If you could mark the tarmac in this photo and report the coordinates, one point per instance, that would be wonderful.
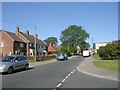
(33, 64)
(87, 67)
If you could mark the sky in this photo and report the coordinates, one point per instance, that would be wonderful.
(99, 19)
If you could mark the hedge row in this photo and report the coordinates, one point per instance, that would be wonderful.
(110, 52)
(42, 58)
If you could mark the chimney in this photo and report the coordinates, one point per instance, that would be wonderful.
(17, 30)
(27, 32)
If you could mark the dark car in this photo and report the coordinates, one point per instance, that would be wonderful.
(62, 56)
(10, 63)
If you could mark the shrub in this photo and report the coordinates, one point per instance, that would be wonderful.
(110, 51)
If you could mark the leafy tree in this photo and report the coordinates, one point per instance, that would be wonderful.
(74, 36)
(52, 40)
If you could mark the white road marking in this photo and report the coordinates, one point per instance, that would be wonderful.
(59, 84)
(69, 74)
(66, 77)
(63, 80)
(73, 70)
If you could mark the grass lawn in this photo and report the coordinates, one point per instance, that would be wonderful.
(106, 64)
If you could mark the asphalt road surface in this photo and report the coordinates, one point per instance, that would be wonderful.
(59, 74)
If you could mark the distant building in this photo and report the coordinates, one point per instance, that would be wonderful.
(97, 45)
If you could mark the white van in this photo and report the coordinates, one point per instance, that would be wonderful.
(86, 53)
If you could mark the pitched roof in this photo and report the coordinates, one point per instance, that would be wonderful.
(52, 48)
(14, 36)
(31, 38)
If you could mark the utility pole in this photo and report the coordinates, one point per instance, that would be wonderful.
(1, 43)
(68, 47)
(35, 41)
(92, 42)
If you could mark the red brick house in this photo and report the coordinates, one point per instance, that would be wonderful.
(10, 44)
(30, 43)
(52, 48)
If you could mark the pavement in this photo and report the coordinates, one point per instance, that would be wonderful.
(87, 67)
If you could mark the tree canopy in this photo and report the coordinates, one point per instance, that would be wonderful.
(74, 36)
(52, 40)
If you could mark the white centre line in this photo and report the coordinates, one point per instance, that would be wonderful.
(63, 80)
(73, 70)
(69, 74)
(59, 85)
(66, 77)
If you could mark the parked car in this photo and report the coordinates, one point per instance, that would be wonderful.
(11, 63)
(62, 56)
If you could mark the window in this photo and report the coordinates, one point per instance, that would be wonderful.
(17, 59)
(30, 44)
(22, 58)
(21, 45)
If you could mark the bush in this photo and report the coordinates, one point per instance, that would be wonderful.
(68, 54)
(110, 51)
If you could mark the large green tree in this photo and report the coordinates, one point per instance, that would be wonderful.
(52, 40)
(72, 37)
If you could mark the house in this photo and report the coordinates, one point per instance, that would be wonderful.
(41, 47)
(11, 44)
(52, 48)
(97, 45)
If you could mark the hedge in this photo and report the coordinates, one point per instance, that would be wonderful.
(110, 52)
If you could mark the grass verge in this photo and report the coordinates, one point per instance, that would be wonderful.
(106, 64)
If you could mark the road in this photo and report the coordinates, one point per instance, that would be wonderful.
(59, 74)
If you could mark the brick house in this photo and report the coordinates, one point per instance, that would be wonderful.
(41, 47)
(52, 48)
(11, 44)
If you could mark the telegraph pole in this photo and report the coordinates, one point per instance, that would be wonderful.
(92, 42)
(35, 41)
(68, 47)
(1, 42)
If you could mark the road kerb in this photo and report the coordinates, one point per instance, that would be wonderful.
(95, 75)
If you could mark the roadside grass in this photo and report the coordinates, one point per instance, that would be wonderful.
(106, 64)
